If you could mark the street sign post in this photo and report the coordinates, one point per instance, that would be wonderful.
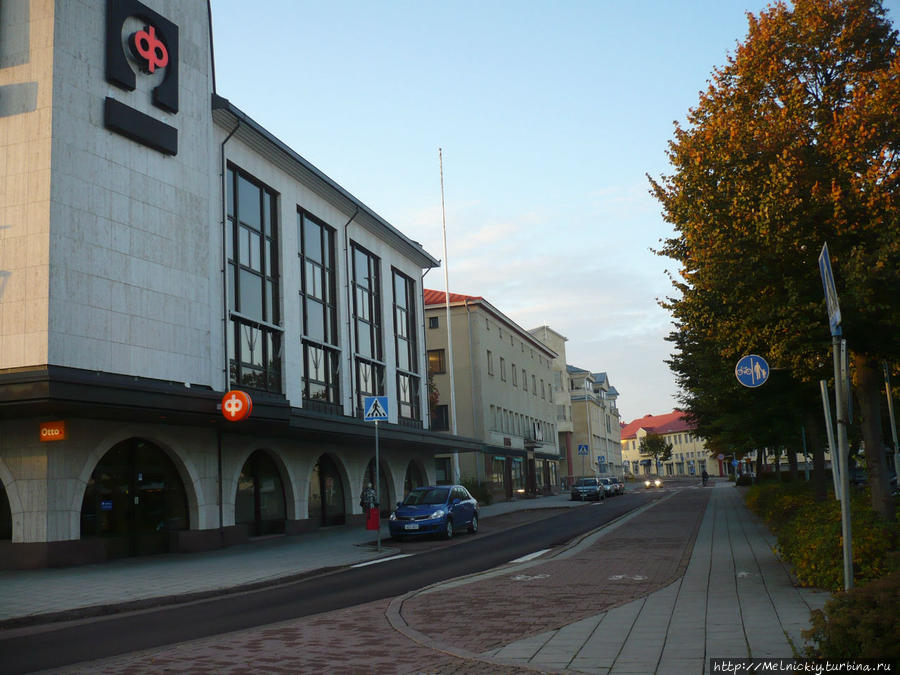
(376, 409)
(752, 371)
(584, 451)
(841, 396)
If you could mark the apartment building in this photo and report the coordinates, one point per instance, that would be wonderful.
(503, 391)
(167, 265)
(565, 428)
(689, 452)
(595, 419)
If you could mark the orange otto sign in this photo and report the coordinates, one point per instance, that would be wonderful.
(236, 405)
(52, 431)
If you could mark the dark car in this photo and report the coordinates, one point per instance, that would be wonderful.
(435, 509)
(587, 488)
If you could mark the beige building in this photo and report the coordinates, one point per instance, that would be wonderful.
(503, 382)
(565, 428)
(689, 452)
(595, 421)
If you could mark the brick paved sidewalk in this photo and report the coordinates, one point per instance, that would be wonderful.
(633, 560)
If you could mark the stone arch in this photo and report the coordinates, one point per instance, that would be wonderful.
(387, 481)
(283, 471)
(8, 485)
(415, 475)
(339, 468)
(186, 469)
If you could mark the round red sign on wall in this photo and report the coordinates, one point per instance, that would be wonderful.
(236, 405)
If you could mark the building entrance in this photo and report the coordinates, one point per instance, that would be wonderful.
(135, 500)
(5, 515)
(260, 496)
(326, 494)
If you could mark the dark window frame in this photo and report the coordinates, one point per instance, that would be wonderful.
(254, 336)
(318, 292)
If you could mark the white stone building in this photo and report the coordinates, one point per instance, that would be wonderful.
(158, 248)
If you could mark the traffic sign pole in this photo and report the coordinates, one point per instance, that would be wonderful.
(841, 396)
(377, 486)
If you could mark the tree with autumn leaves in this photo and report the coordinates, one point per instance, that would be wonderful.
(795, 143)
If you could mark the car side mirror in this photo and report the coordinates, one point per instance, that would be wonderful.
(456, 501)
(399, 504)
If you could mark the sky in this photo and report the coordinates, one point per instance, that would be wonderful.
(548, 115)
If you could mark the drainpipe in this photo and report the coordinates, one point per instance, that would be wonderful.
(478, 463)
(347, 284)
(224, 177)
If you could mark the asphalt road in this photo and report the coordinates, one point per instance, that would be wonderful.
(55, 645)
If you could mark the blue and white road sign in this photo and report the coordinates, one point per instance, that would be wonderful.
(583, 450)
(831, 296)
(376, 408)
(602, 459)
(752, 370)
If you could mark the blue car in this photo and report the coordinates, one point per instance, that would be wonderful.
(436, 509)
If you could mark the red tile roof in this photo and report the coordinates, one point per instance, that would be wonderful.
(439, 297)
(669, 423)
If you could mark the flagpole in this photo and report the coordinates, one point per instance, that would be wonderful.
(449, 329)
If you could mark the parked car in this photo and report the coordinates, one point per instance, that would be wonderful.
(653, 483)
(587, 488)
(440, 510)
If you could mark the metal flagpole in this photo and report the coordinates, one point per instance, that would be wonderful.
(449, 329)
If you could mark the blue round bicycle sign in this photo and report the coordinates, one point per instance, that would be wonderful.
(752, 370)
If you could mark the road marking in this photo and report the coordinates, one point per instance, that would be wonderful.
(526, 577)
(636, 577)
(530, 556)
(381, 560)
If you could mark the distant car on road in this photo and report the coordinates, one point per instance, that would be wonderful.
(653, 483)
(609, 486)
(587, 488)
(436, 509)
(617, 484)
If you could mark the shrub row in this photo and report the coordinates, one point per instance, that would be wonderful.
(863, 623)
(809, 534)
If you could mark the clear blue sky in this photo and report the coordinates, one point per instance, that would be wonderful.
(549, 115)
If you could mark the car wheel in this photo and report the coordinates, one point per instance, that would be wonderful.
(448, 529)
(473, 526)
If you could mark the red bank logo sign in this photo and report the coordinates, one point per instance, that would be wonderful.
(236, 405)
(141, 42)
(149, 49)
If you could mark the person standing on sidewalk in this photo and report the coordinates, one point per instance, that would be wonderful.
(705, 478)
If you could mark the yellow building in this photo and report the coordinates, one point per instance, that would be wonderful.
(689, 452)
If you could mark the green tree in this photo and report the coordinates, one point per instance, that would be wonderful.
(657, 447)
(795, 142)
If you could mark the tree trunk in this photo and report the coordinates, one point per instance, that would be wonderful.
(814, 433)
(760, 458)
(793, 471)
(869, 395)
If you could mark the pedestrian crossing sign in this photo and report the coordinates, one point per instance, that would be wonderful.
(375, 409)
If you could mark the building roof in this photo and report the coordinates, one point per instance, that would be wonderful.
(229, 116)
(433, 297)
(669, 423)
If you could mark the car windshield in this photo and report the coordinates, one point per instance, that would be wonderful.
(432, 496)
(585, 482)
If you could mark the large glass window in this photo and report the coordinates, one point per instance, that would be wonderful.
(367, 326)
(318, 305)
(408, 380)
(254, 336)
